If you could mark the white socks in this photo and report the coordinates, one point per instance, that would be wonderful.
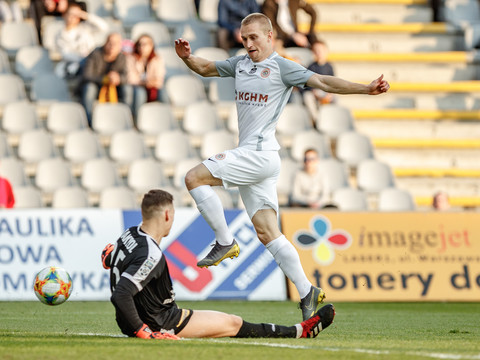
(210, 206)
(287, 258)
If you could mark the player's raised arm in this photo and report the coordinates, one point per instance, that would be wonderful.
(337, 85)
(201, 66)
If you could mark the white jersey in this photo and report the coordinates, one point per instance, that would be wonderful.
(261, 91)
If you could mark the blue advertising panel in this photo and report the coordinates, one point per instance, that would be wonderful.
(254, 275)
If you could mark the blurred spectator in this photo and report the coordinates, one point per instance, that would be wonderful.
(7, 200)
(436, 6)
(309, 186)
(314, 98)
(230, 15)
(146, 72)
(441, 201)
(283, 15)
(40, 8)
(10, 11)
(105, 67)
(76, 40)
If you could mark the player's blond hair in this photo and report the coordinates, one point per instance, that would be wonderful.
(262, 19)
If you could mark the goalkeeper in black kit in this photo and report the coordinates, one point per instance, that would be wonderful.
(143, 296)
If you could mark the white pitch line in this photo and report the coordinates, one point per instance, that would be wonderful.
(446, 356)
(254, 343)
(97, 334)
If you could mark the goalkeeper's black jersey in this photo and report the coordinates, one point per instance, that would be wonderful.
(138, 258)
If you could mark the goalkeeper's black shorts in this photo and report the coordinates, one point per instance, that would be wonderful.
(175, 320)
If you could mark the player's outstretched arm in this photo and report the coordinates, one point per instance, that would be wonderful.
(337, 85)
(201, 66)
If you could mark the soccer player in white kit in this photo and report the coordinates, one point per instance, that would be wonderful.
(263, 83)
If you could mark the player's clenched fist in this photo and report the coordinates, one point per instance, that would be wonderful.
(145, 333)
(182, 47)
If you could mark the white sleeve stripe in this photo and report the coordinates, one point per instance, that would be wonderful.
(132, 279)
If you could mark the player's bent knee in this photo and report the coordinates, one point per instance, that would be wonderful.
(236, 323)
(191, 180)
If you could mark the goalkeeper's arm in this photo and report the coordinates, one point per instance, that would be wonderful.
(122, 299)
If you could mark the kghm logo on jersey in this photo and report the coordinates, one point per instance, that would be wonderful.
(248, 96)
(265, 73)
(322, 240)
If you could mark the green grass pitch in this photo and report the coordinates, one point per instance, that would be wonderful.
(87, 330)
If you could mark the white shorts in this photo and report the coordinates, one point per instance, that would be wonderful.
(255, 174)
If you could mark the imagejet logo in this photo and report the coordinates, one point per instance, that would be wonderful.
(322, 240)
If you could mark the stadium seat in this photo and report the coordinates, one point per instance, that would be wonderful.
(13, 169)
(232, 119)
(197, 33)
(222, 90)
(180, 199)
(225, 197)
(201, 117)
(157, 30)
(31, 61)
(285, 180)
(300, 54)
(461, 13)
(98, 7)
(50, 30)
(374, 176)
(49, 88)
(183, 90)
(146, 174)
(130, 12)
(394, 199)
(107, 118)
(352, 147)
(181, 169)
(350, 199)
(27, 197)
(126, 146)
(336, 173)
(100, 37)
(173, 64)
(20, 116)
(15, 35)
(293, 119)
(334, 119)
(156, 117)
(212, 53)
(99, 174)
(36, 145)
(217, 141)
(174, 13)
(65, 117)
(208, 12)
(52, 174)
(69, 197)
(12, 88)
(310, 139)
(82, 145)
(173, 146)
(117, 197)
